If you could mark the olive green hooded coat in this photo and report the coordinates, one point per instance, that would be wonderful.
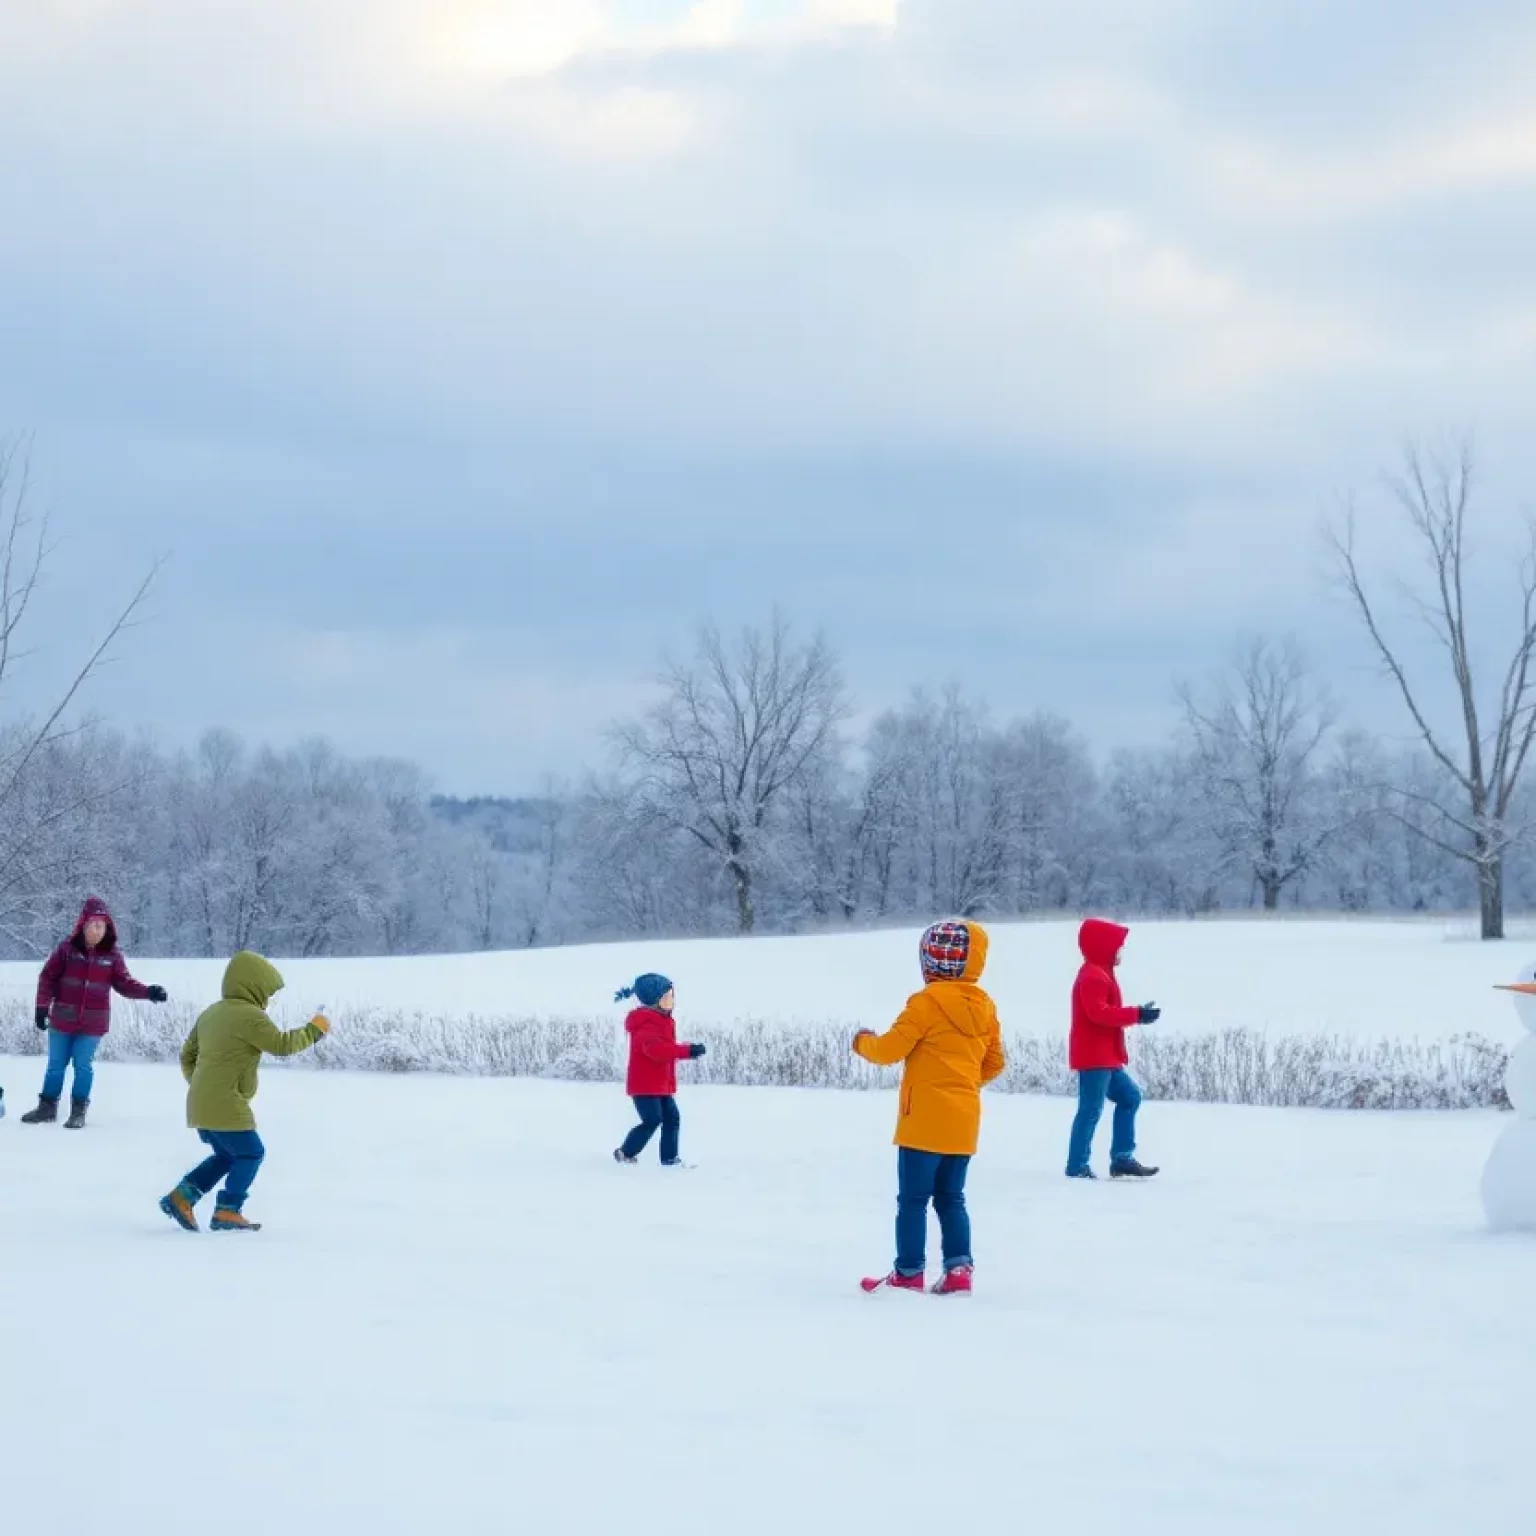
(221, 1055)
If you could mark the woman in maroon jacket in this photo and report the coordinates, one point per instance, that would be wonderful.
(654, 1052)
(74, 1004)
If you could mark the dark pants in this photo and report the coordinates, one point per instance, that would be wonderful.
(235, 1153)
(655, 1112)
(70, 1051)
(1093, 1088)
(923, 1177)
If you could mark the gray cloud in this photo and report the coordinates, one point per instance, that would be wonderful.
(1019, 342)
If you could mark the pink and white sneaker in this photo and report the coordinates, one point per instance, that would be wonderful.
(956, 1282)
(893, 1282)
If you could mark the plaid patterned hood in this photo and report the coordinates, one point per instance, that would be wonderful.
(954, 950)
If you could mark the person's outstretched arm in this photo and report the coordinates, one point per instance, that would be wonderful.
(1093, 992)
(125, 983)
(895, 1045)
(266, 1036)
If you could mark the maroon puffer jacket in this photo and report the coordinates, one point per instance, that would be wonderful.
(77, 983)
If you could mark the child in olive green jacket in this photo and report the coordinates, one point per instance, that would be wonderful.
(219, 1061)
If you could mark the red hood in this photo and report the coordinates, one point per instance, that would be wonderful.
(94, 907)
(639, 1017)
(1100, 941)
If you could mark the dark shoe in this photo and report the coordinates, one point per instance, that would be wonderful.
(1082, 1173)
(77, 1108)
(619, 1157)
(46, 1113)
(1129, 1168)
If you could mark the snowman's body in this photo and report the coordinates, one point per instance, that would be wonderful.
(1509, 1181)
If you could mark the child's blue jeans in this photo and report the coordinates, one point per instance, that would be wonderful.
(1093, 1088)
(940, 1178)
(64, 1051)
(236, 1153)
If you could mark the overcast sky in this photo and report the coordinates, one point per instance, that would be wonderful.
(464, 356)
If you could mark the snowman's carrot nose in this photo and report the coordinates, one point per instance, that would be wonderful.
(1527, 987)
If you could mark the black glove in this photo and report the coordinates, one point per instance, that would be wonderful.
(695, 1051)
(158, 995)
(1150, 1013)
(40, 1018)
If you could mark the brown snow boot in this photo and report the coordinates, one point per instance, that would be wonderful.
(227, 1219)
(77, 1108)
(46, 1113)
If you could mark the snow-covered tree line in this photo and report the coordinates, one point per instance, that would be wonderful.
(744, 800)
(1260, 798)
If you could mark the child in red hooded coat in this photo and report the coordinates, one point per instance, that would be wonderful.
(654, 1052)
(1098, 1055)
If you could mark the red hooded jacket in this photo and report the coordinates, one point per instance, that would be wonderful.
(1099, 1017)
(77, 983)
(654, 1052)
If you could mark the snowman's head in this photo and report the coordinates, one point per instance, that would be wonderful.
(1524, 992)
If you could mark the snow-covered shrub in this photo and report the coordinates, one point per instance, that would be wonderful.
(1235, 1066)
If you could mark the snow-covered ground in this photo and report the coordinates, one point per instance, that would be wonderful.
(462, 1316)
(1373, 980)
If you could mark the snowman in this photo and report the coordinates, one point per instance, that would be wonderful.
(1509, 1181)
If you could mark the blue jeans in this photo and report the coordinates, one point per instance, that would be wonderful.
(655, 1112)
(236, 1153)
(77, 1051)
(930, 1176)
(1093, 1088)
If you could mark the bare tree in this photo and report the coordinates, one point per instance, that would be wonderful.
(25, 826)
(1163, 858)
(951, 804)
(1255, 740)
(735, 731)
(543, 868)
(1484, 765)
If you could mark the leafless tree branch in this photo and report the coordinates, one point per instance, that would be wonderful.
(1435, 492)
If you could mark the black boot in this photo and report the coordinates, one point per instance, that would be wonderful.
(1129, 1168)
(77, 1108)
(46, 1113)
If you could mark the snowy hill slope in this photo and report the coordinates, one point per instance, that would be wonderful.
(1369, 980)
(463, 1316)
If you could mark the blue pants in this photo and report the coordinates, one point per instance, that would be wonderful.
(655, 1112)
(77, 1051)
(923, 1177)
(1093, 1088)
(236, 1153)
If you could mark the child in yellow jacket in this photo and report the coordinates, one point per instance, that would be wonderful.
(950, 1041)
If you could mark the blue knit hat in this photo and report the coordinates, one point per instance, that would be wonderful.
(649, 989)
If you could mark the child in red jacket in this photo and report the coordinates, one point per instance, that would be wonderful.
(1097, 1054)
(654, 1052)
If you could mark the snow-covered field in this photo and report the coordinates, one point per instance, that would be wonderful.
(1424, 980)
(463, 1316)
